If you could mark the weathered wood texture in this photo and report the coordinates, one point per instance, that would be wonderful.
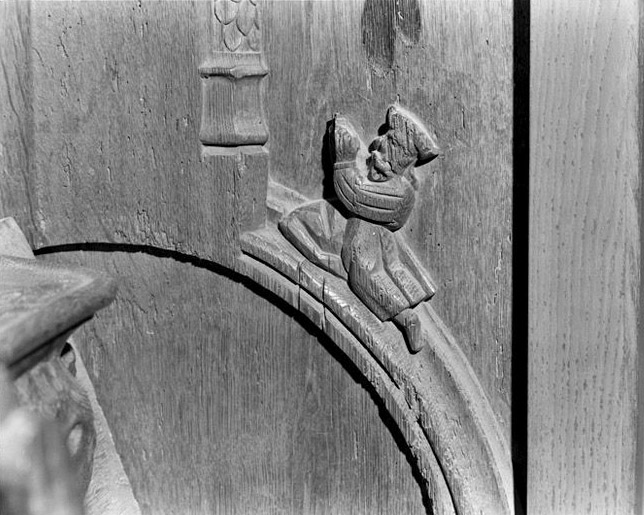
(117, 159)
(109, 491)
(584, 257)
(450, 63)
(222, 409)
(115, 152)
(16, 116)
(435, 391)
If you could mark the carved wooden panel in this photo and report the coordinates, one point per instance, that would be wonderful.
(465, 465)
(585, 342)
(180, 171)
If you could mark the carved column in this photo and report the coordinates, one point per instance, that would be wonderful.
(233, 126)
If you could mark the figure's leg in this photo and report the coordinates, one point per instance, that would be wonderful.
(409, 323)
(414, 266)
(363, 259)
(318, 238)
(401, 275)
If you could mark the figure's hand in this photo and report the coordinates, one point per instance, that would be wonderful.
(346, 140)
(379, 169)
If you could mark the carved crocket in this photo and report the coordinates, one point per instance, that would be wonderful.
(358, 240)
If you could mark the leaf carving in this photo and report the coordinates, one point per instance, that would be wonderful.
(245, 17)
(253, 38)
(226, 11)
(240, 25)
(232, 37)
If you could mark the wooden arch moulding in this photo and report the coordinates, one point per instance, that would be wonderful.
(343, 263)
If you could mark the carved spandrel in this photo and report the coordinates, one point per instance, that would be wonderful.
(376, 186)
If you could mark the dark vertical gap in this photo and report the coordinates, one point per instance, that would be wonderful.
(520, 248)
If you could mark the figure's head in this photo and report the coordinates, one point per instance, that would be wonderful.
(379, 186)
(405, 144)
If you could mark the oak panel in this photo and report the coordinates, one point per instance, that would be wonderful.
(584, 257)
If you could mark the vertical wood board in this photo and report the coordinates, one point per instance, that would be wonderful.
(584, 257)
(116, 109)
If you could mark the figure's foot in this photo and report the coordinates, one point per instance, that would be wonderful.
(409, 322)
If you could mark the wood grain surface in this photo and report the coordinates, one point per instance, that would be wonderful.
(217, 409)
(116, 117)
(16, 116)
(584, 257)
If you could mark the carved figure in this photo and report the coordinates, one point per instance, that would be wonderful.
(357, 239)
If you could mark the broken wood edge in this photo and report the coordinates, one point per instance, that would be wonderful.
(464, 458)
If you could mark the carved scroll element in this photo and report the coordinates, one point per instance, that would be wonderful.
(233, 113)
